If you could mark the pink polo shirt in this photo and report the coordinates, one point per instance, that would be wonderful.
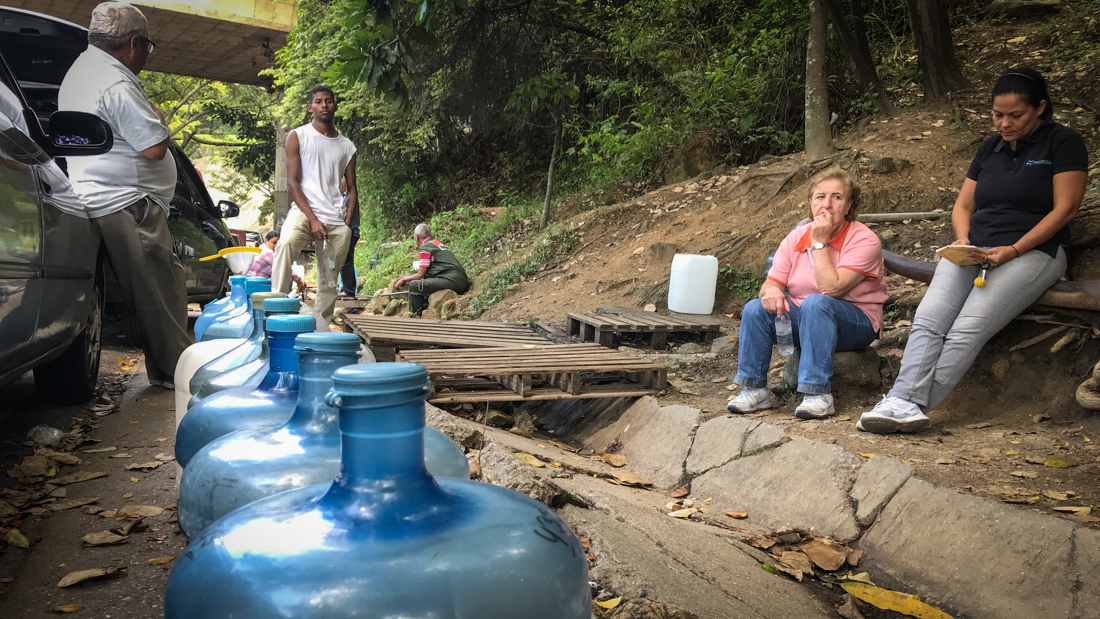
(855, 248)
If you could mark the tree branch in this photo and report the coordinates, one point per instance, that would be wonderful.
(191, 137)
(184, 99)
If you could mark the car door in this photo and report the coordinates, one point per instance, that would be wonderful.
(211, 275)
(186, 234)
(20, 237)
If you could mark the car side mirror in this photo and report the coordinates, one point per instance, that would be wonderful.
(228, 209)
(75, 134)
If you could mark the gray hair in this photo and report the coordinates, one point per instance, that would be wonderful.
(114, 24)
(423, 231)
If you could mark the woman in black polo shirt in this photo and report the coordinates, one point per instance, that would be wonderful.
(1022, 189)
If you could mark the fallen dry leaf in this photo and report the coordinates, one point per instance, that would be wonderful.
(159, 560)
(58, 456)
(77, 477)
(1054, 494)
(945, 461)
(1012, 452)
(104, 538)
(143, 465)
(795, 563)
(81, 575)
(1022, 500)
(631, 478)
(763, 543)
(825, 553)
(110, 513)
(57, 506)
(140, 511)
(678, 493)
(169, 458)
(1027, 474)
(529, 459)
(868, 455)
(100, 450)
(135, 479)
(1034, 459)
(613, 459)
(862, 577)
(892, 600)
(738, 515)
(988, 452)
(17, 539)
(128, 495)
(978, 426)
(161, 440)
(91, 510)
(67, 608)
(126, 525)
(683, 513)
(612, 603)
(850, 608)
(854, 556)
(1084, 511)
(7, 579)
(1058, 463)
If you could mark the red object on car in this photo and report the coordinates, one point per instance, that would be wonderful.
(242, 241)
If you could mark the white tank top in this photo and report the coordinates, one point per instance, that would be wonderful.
(324, 161)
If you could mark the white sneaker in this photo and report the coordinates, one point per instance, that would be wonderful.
(815, 406)
(751, 400)
(893, 415)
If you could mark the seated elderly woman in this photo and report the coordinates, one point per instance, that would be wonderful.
(1023, 187)
(828, 275)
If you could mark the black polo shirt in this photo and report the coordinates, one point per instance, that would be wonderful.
(1016, 188)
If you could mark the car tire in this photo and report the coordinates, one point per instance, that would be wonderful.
(72, 377)
(130, 330)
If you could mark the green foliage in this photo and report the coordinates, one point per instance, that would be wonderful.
(741, 281)
(540, 92)
(1072, 35)
(554, 244)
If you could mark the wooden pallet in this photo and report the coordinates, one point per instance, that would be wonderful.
(551, 372)
(385, 335)
(601, 328)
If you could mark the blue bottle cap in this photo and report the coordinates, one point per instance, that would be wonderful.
(337, 343)
(379, 378)
(283, 305)
(291, 323)
(256, 284)
(237, 279)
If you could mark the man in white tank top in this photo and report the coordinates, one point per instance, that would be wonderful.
(317, 157)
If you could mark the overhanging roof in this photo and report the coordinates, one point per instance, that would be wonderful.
(224, 40)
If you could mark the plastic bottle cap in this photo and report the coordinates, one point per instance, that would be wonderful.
(258, 298)
(283, 305)
(339, 343)
(237, 279)
(291, 323)
(379, 378)
(256, 284)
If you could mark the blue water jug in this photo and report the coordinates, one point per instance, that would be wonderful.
(264, 304)
(246, 466)
(267, 405)
(217, 307)
(237, 322)
(385, 539)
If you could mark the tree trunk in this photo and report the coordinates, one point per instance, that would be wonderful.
(854, 39)
(935, 50)
(818, 133)
(550, 173)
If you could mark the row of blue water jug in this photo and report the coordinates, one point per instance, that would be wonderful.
(318, 492)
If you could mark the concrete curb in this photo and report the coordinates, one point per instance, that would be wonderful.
(973, 557)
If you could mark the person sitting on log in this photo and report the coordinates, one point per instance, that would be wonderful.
(1023, 188)
(828, 276)
(439, 269)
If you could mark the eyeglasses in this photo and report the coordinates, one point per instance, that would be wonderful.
(151, 45)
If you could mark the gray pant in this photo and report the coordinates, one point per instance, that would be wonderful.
(421, 289)
(151, 280)
(956, 319)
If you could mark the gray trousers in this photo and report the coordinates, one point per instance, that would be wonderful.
(421, 289)
(956, 319)
(151, 280)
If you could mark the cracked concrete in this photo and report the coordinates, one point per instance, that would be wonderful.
(876, 483)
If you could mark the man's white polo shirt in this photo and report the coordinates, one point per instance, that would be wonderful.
(99, 84)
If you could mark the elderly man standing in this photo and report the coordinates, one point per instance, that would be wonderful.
(438, 270)
(126, 191)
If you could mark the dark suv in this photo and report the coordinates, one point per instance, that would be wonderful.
(53, 280)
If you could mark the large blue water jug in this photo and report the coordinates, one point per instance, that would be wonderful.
(246, 466)
(217, 307)
(265, 406)
(263, 304)
(385, 539)
(237, 322)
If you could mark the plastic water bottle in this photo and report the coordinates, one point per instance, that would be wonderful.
(783, 337)
(384, 538)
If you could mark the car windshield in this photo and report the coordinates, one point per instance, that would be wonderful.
(37, 62)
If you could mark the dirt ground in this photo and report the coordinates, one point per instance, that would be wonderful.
(1013, 410)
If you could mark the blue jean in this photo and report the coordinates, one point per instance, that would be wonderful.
(821, 326)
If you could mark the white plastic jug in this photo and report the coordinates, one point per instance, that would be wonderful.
(691, 286)
(194, 357)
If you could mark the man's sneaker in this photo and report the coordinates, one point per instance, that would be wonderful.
(163, 384)
(815, 406)
(893, 415)
(750, 400)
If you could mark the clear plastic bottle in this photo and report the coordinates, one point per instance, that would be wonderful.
(217, 307)
(263, 304)
(385, 538)
(784, 338)
(266, 406)
(246, 466)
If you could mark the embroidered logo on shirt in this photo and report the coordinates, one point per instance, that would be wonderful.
(1031, 162)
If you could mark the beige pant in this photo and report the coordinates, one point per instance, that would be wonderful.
(330, 256)
(151, 280)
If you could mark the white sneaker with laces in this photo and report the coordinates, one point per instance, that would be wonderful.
(815, 406)
(751, 400)
(891, 415)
